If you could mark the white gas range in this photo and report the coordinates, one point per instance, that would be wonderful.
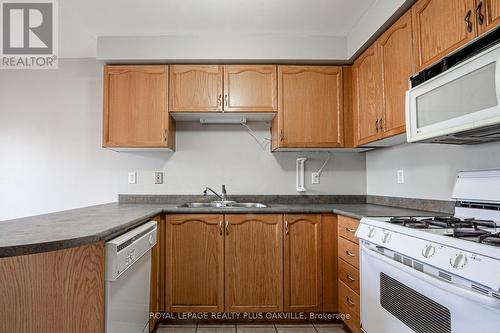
(435, 274)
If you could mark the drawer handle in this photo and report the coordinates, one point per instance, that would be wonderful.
(348, 300)
(350, 278)
(350, 254)
(350, 230)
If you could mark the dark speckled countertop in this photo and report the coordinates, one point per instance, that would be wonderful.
(88, 225)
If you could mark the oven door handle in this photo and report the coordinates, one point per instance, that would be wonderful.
(469, 294)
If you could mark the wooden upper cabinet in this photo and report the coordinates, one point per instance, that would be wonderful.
(310, 107)
(250, 88)
(396, 55)
(487, 14)
(440, 26)
(135, 107)
(194, 263)
(367, 95)
(195, 88)
(303, 263)
(254, 263)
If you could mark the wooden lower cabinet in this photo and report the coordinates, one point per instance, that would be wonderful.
(349, 306)
(194, 263)
(250, 263)
(303, 265)
(254, 263)
(348, 273)
(57, 291)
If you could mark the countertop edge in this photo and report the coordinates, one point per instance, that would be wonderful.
(34, 248)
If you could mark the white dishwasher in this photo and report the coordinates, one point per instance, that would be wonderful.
(127, 280)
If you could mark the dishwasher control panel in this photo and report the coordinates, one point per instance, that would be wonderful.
(124, 250)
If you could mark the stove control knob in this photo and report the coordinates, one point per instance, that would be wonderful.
(458, 261)
(387, 237)
(371, 232)
(428, 251)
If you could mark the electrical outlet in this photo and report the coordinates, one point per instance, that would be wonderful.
(315, 178)
(132, 177)
(401, 177)
(158, 177)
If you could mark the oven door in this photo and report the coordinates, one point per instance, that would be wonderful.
(396, 298)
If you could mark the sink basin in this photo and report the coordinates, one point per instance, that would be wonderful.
(222, 204)
(248, 205)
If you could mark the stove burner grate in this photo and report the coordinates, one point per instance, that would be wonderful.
(409, 222)
(490, 239)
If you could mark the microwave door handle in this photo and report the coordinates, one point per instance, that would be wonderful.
(487, 301)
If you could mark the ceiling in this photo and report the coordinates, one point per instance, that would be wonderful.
(81, 22)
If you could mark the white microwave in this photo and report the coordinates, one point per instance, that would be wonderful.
(460, 105)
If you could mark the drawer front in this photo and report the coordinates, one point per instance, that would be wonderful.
(347, 227)
(349, 305)
(349, 275)
(349, 251)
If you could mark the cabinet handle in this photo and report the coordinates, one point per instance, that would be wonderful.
(376, 125)
(467, 20)
(479, 14)
(165, 135)
(350, 254)
(220, 227)
(348, 300)
(282, 136)
(227, 227)
(350, 278)
(380, 123)
(286, 228)
(219, 100)
(350, 230)
(226, 99)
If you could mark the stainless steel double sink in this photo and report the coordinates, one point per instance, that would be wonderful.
(223, 204)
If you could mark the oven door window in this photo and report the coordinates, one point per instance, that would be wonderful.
(417, 311)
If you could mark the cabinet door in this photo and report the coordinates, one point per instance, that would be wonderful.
(194, 263)
(367, 80)
(250, 88)
(254, 263)
(303, 272)
(195, 88)
(487, 14)
(135, 107)
(440, 26)
(396, 55)
(310, 104)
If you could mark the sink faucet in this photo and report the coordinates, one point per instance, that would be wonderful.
(222, 197)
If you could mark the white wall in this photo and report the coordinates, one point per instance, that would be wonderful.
(51, 157)
(370, 22)
(429, 169)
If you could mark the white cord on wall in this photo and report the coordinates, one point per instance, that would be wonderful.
(324, 164)
(262, 142)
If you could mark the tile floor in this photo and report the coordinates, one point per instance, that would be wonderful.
(252, 328)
